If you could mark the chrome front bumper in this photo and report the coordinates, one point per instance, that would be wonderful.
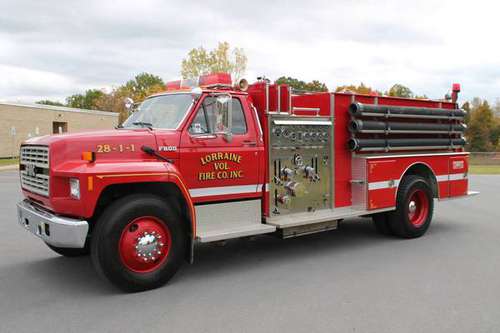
(52, 229)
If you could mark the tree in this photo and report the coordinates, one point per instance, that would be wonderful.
(86, 101)
(466, 108)
(140, 87)
(496, 108)
(399, 90)
(481, 133)
(143, 85)
(199, 61)
(114, 102)
(300, 85)
(361, 89)
(49, 102)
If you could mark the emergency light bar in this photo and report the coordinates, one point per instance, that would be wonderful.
(207, 80)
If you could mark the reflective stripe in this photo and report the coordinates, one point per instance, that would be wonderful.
(458, 176)
(395, 183)
(224, 190)
(383, 184)
(442, 178)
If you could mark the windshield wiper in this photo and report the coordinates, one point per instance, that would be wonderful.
(143, 124)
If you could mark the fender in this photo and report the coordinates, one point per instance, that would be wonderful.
(95, 177)
(432, 174)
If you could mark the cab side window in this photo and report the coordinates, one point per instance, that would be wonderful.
(204, 121)
(200, 123)
(239, 124)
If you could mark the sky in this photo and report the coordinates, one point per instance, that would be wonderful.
(51, 49)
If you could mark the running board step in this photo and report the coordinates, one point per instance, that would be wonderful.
(323, 215)
(308, 229)
(236, 232)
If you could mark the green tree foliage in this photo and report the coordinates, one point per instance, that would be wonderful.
(482, 132)
(49, 102)
(361, 89)
(466, 107)
(399, 90)
(199, 61)
(85, 101)
(302, 85)
(143, 85)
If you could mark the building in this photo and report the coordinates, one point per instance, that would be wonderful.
(19, 121)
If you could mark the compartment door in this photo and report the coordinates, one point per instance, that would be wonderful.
(458, 181)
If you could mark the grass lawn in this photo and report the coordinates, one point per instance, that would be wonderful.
(8, 161)
(484, 169)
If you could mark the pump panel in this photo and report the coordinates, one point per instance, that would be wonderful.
(300, 164)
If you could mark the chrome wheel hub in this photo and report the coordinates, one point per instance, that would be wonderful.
(412, 207)
(149, 246)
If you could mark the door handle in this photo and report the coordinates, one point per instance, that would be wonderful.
(249, 143)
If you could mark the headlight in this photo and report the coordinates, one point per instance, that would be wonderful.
(74, 188)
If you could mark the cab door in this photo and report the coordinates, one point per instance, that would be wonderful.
(218, 167)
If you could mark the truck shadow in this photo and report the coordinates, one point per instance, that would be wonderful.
(355, 235)
(76, 275)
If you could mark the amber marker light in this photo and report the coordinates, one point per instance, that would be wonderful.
(88, 156)
(90, 183)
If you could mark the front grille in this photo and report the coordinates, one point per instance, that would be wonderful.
(34, 161)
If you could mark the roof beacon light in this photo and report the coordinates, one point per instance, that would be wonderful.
(181, 84)
(455, 89)
(215, 79)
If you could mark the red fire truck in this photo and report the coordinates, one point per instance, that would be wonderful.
(217, 161)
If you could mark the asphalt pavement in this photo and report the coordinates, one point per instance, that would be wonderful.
(347, 280)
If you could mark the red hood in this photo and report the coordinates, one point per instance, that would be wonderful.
(119, 144)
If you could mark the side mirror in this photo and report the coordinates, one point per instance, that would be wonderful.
(129, 104)
(224, 121)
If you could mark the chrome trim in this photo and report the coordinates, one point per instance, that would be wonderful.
(52, 229)
(234, 219)
(258, 123)
(267, 97)
(34, 157)
(468, 195)
(299, 108)
(300, 219)
(302, 122)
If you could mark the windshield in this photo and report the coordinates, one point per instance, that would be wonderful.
(165, 111)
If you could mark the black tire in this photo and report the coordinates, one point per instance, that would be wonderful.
(381, 223)
(107, 238)
(399, 220)
(69, 251)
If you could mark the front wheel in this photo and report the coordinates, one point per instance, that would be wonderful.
(138, 243)
(414, 208)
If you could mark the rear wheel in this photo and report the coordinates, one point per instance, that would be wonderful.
(414, 208)
(138, 243)
(69, 251)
